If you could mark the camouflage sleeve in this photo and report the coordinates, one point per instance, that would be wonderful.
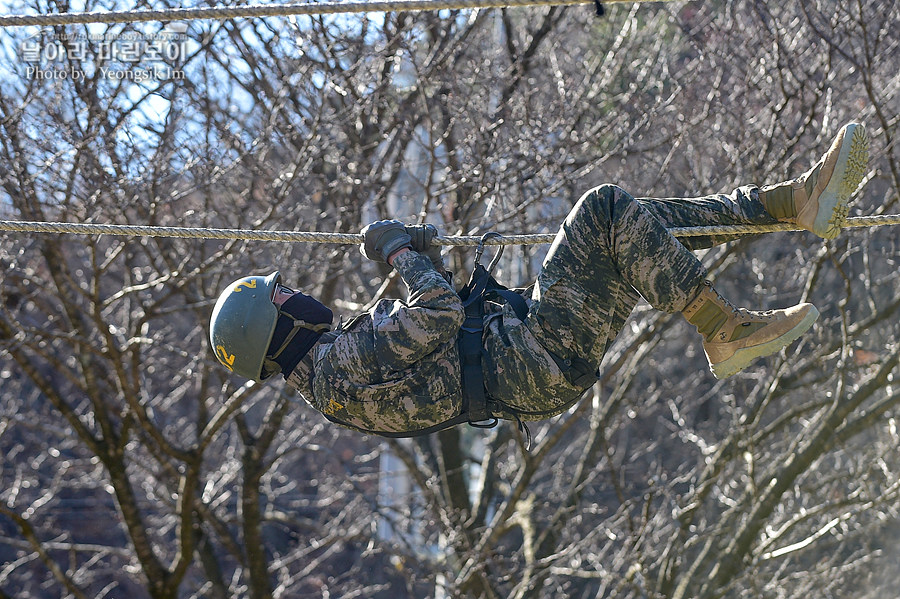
(431, 316)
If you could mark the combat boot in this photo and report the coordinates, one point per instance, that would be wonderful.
(817, 199)
(733, 337)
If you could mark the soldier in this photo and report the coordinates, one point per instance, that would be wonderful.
(396, 370)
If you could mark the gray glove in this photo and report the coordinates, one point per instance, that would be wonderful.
(383, 238)
(422, 236)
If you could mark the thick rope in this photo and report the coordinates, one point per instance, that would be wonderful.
(356, 238)
(278, 10)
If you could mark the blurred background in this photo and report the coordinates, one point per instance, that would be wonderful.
(133, 465)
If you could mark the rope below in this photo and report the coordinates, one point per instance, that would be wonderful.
(279, 10)
(356, 238)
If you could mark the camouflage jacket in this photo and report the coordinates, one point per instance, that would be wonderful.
(396, 369)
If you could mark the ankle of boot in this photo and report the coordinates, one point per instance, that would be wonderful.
(778, 201)
(706, 313)
(709, 320)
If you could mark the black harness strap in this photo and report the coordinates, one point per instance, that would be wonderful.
(470, 348)
(481, 285)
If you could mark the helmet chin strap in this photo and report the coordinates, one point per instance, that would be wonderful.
(298, 324)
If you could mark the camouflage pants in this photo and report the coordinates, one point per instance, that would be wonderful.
(611, 250)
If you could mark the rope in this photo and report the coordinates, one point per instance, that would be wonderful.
(278, 10)
(853, 222)
(356, 238)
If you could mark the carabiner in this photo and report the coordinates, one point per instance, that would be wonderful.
(479, 251)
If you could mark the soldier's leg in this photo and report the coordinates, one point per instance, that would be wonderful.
(609, 252)
(816, 200)
(741, 207)
(610, 249)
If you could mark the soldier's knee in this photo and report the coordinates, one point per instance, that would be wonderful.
(609, 190)
(609, 200)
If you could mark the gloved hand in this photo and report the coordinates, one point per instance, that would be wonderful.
(383, 238)
(422, 236)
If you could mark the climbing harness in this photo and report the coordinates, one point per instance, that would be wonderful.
(482, 286)
(477, 409)
(473, 295)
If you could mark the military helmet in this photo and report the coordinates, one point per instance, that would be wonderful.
(242, 324)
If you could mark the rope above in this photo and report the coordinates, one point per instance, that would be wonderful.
(356, 238)
(280, 10)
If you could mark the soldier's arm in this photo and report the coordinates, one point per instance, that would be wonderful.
(431, 316)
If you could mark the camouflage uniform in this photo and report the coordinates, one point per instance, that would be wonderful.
(397, 369)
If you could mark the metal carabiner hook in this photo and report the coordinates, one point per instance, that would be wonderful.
(479, 251)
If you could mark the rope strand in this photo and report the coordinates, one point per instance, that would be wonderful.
(280, 10)
(356, 238)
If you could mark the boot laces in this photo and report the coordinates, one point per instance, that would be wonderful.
(725, 301)
(742, 313)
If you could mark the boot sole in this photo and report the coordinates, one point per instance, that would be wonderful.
(853, 162)
(742, 357)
